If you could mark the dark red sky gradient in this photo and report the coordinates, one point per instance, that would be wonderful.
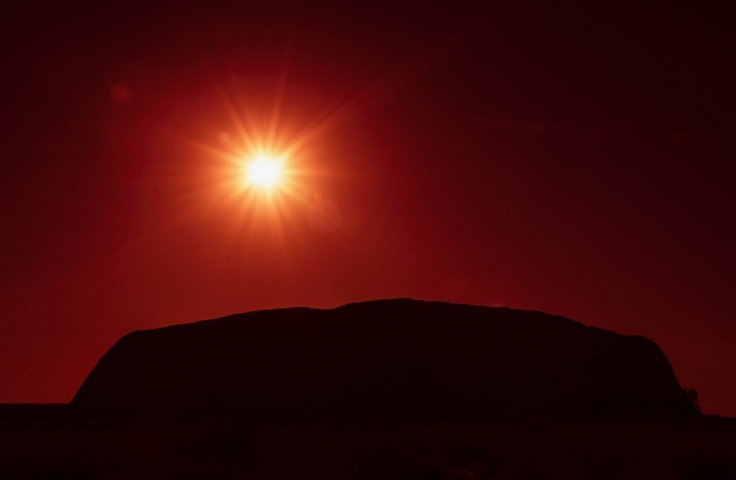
(541, 156)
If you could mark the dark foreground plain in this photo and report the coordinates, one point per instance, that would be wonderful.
(56, 442)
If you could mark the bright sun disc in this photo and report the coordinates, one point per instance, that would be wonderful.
(264, 171)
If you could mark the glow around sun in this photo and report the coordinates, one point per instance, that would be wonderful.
(270, 169)
(263, 171)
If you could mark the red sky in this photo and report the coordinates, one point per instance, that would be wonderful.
(578, 162)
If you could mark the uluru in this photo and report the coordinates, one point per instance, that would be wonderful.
(388, 359)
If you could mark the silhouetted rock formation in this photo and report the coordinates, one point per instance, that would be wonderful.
(388, 358)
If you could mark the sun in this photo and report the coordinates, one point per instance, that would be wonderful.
(263, 171)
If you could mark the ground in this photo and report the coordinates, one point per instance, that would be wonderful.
(92, 447)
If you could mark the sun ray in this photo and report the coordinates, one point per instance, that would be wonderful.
(277, 102)
(247, 139)
(346, 105)
(209, 149)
